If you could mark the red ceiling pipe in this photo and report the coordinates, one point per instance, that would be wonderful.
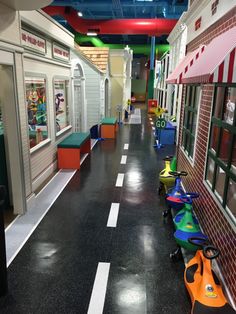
(152, 27)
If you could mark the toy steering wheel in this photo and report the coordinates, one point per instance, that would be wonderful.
(199, 241)
(178, 173)
(168, 158)
(210, 252)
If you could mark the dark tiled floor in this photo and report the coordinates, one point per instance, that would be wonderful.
(55, 270)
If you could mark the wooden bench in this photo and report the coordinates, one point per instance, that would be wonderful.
(109, 127)
(70, 148)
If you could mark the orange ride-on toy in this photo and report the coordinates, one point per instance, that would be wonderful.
(166, 179)
(202, 283)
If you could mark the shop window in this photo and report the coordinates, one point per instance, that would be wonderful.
(61, 104)
(36, 103)
(221, 164)
(190, 119)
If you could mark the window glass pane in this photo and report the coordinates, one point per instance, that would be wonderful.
(37, 109)
(194, 123)
(196, 96)
(191, 147)
(215, 135)
(234, 155)
(219, 100)
(61, 104)
(229, 105)
(210, 170)
(225, 144)
(231, 197)
(220, 182)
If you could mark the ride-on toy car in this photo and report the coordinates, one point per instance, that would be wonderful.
(166, 179)
(202, 283)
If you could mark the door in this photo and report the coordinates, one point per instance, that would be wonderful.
(11, 138)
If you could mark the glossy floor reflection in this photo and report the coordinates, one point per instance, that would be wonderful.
(55, 270)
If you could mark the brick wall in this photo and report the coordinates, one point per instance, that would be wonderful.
(210, 216)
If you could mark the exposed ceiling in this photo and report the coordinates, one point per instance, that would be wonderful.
(122, 9)
(26, 4)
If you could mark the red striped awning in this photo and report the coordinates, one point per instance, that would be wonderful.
(176, 76)
(217, 64)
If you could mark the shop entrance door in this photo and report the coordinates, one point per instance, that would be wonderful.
(107, 98)
(78, 100)
(11, 164)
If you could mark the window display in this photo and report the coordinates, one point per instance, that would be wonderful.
(221, 166)
(61, 104)
(37, 109)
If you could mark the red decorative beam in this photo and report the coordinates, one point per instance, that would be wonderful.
(152, 27)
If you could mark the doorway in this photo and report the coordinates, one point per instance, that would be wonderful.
(79, 124)
(12, 166)
(107, 114)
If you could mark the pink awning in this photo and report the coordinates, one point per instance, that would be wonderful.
(176, 76)
(218, 62)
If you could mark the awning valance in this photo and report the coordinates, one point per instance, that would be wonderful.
(176, 76)
(218, 62)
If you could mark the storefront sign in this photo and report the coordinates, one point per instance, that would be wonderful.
(60, 53)
(33, 42)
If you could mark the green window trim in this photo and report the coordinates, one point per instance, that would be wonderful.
(227, 165)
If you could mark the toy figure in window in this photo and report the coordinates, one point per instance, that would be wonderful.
(32, 105)
(58, 101)
(230, 107)
(229, 113)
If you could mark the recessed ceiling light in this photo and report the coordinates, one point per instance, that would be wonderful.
(80, 14)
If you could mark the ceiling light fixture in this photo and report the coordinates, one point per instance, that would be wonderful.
(80, 14)
(91, 34)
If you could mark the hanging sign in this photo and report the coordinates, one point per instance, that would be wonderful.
(161, 123)
(59, 52)
(33, 42)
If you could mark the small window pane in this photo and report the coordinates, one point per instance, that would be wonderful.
(229, 105)
(234, 154)
(210, 170)
(215, 135)
(37, 109)
(220, 182)
(225, 145)
(61, 104)
(231, 197)
(191, 146)
(219, 100)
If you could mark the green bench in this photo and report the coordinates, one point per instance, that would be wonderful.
(109, 127)
(70, 148)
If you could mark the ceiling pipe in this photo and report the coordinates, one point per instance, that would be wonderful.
(137, 49)
(151, 27)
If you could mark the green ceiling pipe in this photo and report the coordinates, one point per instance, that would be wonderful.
(137, 49)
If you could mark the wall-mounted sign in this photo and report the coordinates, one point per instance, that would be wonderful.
(33, 42)
(198, 23)
(61, 53)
